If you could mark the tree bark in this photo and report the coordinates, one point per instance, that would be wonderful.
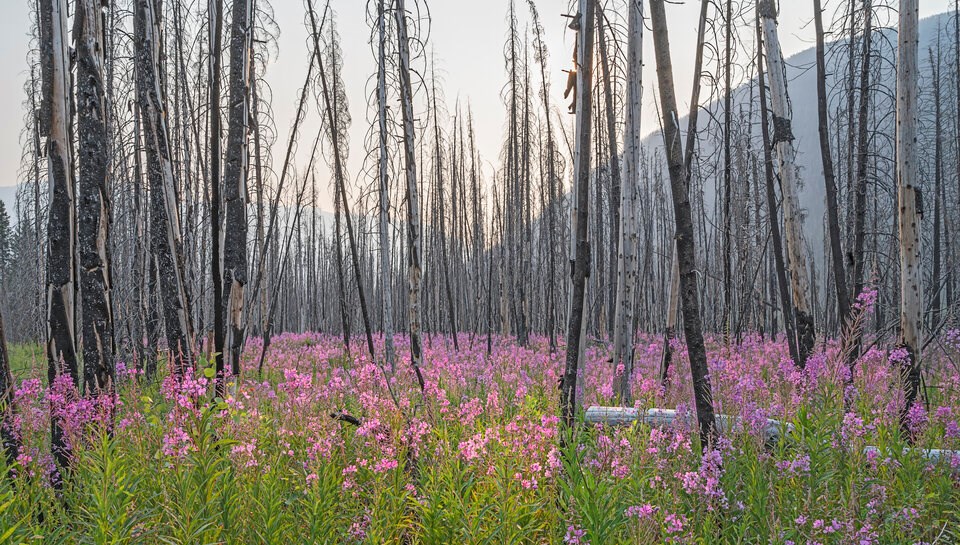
(829, 178)
(673, 304)
(164, 215)
(215, 24)
(908, 200)
(235, 185)
(386, 282)
(789, 182)
(628, 264)
(93, 207)
(686, 245)
(936, 280)
(616, 210)
(61, 274)
(414, 271)
(860, 188)
(581, 264)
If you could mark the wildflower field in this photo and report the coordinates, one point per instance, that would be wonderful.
(481, 457)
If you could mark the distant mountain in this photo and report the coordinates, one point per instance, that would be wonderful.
(802, 81)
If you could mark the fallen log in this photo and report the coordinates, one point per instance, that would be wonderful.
(660, 418)
(621, 416)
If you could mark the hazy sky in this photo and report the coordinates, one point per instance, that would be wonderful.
(467, 37)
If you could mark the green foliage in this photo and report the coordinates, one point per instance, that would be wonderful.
(26, 360)
(258, 472)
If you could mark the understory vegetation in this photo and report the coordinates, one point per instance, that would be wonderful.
(482, 456)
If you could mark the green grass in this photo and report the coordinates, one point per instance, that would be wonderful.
(26, 360)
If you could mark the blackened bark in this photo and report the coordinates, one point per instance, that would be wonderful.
(9, 438)
(414, 269)
(615, 174)
(581, 264)
(683, 216)
(829, 178)
(55, 113)
(332, 107)
(215, 23)
(860, 187)
(164, 218)
(93, 206)
(235, 184)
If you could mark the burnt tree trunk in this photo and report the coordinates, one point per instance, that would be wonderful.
(9, 438)
(414, 269)
(683, 216)
(581, 264)
(164, 216)
(61, 219)
(235, 185)
(829, 178)
(93, 200)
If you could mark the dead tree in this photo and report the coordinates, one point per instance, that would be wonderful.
(93, 238)
(673, 303)
(863, 154)
(829, 178)
(936, 291)
(615, 173)
(61, 221)
(164, 215)
(414, 270)
(789, 182)
(9, 438)
(552, 175)
(235, 184)
(773, 213)
(581, 264)
(386, 281)
(686, 245)
(628, 264)
(728, 286)
(215, 24)
(908, 200)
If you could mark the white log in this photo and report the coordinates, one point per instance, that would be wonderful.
(934, 455)
(621, 416)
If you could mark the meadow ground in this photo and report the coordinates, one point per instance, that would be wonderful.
(481, 457)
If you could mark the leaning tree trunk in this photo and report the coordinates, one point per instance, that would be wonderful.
(773, 213)
(628, 264)
(94, 221)
(683, 216)
(860, 187)
(333, 110)
(789, 182)
(61, 327)
(829, 179)
(414, 270)
(908, 199)
(673, 303)
(581, 169)
(165, 222)
(937, 284)
(235, 185)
